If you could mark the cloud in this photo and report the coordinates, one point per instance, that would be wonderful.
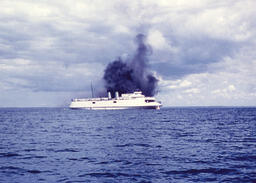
(229, 82)
(61, 46)
(202, 33)
(178, 84)
(157, 41)
(50, 77)
(192, 91)
(225, 92)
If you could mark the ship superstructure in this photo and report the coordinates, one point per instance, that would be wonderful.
(125, 101)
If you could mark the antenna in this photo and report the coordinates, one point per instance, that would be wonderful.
(92, 90)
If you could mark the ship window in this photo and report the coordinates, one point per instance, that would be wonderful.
(93, 102)
(147, 101)
(114, 101)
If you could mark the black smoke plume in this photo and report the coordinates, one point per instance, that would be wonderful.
(126, 77)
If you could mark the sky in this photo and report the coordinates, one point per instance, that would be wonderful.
(203, 51)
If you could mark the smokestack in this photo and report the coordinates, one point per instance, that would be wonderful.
(117, 95)
(109, 95)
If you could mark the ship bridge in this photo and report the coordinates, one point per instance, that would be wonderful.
(137, 94)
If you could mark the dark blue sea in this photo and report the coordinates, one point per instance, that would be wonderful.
(168, 145)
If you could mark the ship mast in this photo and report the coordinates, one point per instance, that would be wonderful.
(92, 90)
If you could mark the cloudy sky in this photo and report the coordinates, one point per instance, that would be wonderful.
(203, 50)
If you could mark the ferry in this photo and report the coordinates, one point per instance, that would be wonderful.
(125, 101)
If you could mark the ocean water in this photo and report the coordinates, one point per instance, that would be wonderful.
(167, 145)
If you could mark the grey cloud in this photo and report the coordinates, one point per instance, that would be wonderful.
(194, 55)
(49, 82)
(68, 47)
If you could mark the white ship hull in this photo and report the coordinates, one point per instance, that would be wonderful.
(114, 108)
(127, 101)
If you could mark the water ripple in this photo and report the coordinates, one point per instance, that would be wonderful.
(168, 145)
(198, 171)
